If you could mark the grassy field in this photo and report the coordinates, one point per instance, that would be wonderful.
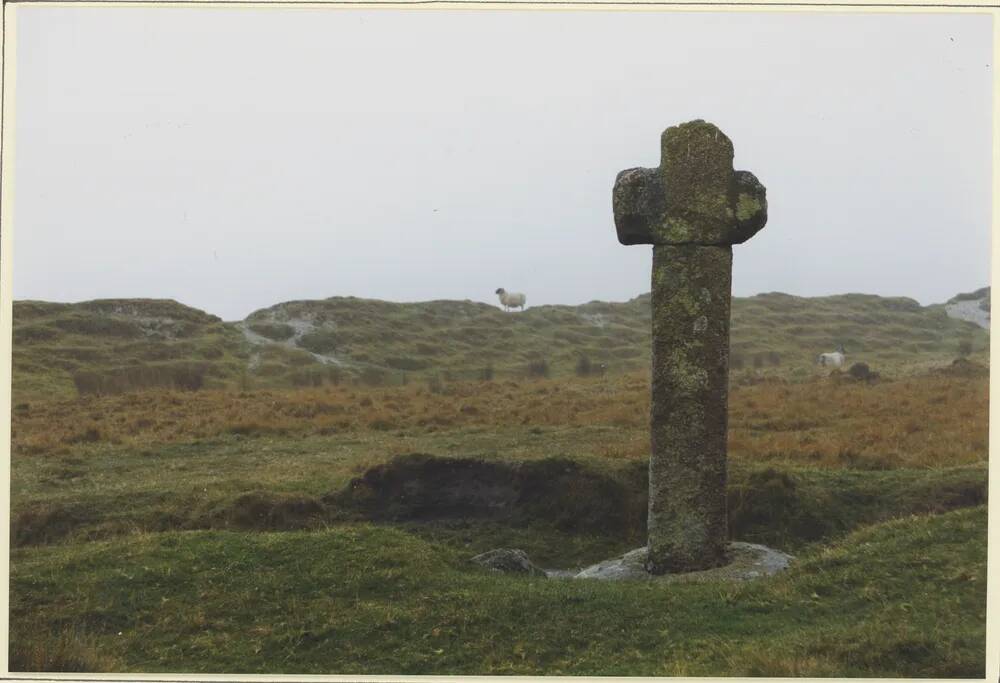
(114, 346)
(291, 530)
(905, 598)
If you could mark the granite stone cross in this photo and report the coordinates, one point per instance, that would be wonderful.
(692, 209)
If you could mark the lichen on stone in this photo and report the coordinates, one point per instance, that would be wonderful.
(692, 208)
(747, 207)
(693, 197)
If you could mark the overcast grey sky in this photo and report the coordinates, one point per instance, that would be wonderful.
(232, 159)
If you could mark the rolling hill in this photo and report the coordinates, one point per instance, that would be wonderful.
(115, 345)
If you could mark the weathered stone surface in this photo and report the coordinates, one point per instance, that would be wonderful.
(630, 566)
(750, 199)
(692, 208)
(508, 561)
(688, 416)
(639, 200)
(693, 197)
(744, 562)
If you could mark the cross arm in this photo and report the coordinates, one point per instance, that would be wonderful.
(640, 208)
(638, 197)
(694, 197)
(749, 201)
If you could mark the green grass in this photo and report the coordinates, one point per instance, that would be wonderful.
(903, 599)
(228, 531)
(105, 490)
(242, 553)
(114, 345)
(275, 331)
(981, 293)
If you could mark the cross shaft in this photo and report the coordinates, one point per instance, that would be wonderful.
(692, 209)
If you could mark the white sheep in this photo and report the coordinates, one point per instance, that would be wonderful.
(510, 300)
(834, 359)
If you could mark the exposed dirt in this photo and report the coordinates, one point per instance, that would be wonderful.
(766, 506)
(562, 492)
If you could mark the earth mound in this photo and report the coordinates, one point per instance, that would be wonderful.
(559, 491)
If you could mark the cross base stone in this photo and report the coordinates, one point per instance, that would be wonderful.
(742, 562)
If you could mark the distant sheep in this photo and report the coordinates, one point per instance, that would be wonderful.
(510, 300)
(834, 359)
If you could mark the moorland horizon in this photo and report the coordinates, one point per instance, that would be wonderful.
(490, 301)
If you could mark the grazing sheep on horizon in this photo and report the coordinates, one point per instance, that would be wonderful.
(833, 359)
(511, 300)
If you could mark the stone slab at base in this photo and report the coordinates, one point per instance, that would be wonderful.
(508, 561)
(747, 561)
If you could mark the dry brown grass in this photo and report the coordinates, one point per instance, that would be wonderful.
(930, 420)
(917, 422)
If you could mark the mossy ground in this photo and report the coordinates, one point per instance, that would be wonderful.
(901, 599)
(209, 530)
(215, 535)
